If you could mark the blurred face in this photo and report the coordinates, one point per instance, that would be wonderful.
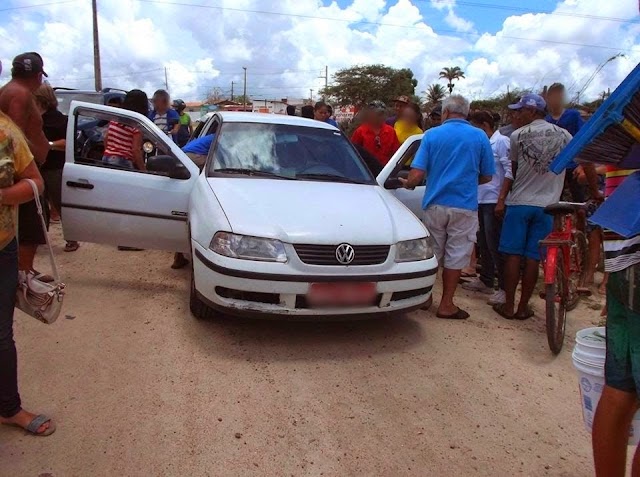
(375, 118)
(321, 114)
(161, 103)
(409, 116)
(555, 99)
(399, 106)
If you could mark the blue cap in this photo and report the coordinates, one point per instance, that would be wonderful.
(530, 100)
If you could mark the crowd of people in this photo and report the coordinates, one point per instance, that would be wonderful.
(486, 190)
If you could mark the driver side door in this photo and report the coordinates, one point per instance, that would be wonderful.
(398, 166)
(112, 204)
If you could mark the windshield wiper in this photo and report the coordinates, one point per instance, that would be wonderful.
(252, 172)
(329, 177)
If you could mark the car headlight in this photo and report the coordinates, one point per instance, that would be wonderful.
(413, 250)
(248, 248)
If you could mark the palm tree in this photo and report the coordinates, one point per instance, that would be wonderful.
(451, 74)
(434, 94)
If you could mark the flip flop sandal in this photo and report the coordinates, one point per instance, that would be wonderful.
(38, 421)
(458, 315)
(499, 309)
(71, 246)
(468, 274)
(529, 314)
(34, 425)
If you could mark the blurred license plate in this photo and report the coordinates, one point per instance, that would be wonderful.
(332, 295)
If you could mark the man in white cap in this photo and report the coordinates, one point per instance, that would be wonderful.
(533, 147)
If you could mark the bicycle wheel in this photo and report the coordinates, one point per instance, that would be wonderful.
(556, 307)
(578, 263)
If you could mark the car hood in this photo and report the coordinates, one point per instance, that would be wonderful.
(315, 212)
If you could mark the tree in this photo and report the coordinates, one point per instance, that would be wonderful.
(434, 94)
(451, 74)
(362, 84)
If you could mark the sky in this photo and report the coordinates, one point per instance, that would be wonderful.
(286, 45)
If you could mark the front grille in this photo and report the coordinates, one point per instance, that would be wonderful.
(326, 254)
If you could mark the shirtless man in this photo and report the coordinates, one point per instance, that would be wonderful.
(17, 102)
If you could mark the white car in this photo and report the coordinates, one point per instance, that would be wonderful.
(284, 220)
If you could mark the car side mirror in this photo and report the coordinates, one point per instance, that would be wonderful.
(168, 165)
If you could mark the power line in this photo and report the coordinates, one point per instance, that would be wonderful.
(133, 73)
(364, 22)
(22, 7)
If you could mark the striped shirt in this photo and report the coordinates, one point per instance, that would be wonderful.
(619, 253)
(120, 140)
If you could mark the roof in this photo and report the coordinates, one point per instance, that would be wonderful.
(265, 118)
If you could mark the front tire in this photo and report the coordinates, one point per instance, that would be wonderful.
(556, 307)
(198, 308)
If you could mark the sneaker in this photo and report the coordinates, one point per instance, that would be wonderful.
(498, 298)
(477, 286)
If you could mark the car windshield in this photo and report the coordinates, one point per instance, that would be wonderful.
(287, 152)
(65, 98)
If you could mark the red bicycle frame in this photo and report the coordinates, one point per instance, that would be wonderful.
(559, 238)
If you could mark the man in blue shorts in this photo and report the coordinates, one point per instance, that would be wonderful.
(533, 147)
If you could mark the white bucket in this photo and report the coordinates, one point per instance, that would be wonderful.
(589, 357)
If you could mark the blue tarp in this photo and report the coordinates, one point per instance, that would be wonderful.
(621, 212)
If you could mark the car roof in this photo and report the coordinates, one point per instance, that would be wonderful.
(267, 118)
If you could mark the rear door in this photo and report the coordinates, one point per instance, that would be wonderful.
(115, 205)
(398, 166)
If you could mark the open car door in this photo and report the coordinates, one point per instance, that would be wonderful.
(118, 205)
(399, 166)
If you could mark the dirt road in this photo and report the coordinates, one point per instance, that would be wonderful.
(140, 388)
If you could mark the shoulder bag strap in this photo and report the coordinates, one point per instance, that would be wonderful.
(36, 196)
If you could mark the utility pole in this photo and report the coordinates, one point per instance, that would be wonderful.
(166, 80)
(244, 99)
(232, 83)
(97, 71)
(326, 79)
(311, 95)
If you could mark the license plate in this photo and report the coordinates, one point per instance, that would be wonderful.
(334, 295)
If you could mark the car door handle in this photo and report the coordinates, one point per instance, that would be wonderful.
(80, 185)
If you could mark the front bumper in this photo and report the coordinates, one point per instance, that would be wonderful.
(255, 293)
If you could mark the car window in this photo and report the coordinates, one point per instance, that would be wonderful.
(289, 152)
(93, 127)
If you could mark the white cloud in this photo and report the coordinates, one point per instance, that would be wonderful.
(207, 47)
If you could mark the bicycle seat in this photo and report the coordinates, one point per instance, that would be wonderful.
(561, 208)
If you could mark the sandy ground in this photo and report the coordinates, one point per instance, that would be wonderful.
(139, 387)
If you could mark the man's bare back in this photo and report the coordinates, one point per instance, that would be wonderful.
(17, 102)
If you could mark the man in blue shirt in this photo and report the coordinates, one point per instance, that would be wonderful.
(570, 120)
(198, 149)
(455, 157)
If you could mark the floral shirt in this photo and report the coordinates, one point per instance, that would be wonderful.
(15, 157)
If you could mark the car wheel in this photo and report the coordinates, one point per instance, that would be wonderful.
(198, 308)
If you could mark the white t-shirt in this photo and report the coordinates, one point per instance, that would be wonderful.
(489, 193)
(533, 148)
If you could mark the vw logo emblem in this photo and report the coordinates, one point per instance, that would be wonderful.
(345, 254)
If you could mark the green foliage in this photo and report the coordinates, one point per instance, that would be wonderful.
(434, 94)
(451, 74)
(362, 84)
(499, 103)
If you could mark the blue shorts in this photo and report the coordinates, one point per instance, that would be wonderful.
(523, 228)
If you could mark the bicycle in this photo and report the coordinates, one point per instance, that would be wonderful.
(565, 264)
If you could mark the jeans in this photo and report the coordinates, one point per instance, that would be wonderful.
(9, 397)
(118, 161)
(491, 259)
